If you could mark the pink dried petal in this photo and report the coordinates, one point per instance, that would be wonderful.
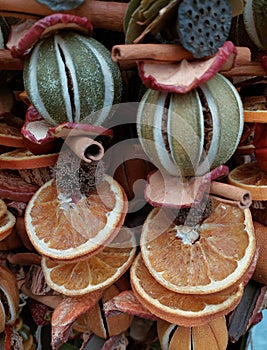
(170, 191)
(26, 33)
(186, 75)
(67, 312)
(126, 302)
(38, 130)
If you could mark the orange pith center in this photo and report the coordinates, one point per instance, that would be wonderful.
(64, 225)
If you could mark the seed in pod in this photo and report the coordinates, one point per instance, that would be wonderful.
(190, 134)
(203, 26)
(69, 77)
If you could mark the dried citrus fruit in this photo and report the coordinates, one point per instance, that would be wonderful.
(212, 335)
(187, 310)
(205, 258)
(10, 134)
(252, 178)
(93, 273)
(3, 208)
(61, 228)
(24, 159)
(7, 222)
(260, 272)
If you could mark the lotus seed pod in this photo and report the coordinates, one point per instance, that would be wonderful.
(203, 26)
(189, 134)
(69, 77)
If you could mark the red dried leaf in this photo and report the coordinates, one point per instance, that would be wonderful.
(170, 191)
(26, 33)
(126, 302)
(67, 312)
(186, 75)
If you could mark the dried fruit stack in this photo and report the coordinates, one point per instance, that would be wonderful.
(132, 173)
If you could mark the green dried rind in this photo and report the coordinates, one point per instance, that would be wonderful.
(85, 54)
(255, 16)
(186, 131)
(147, 132)
(230, 111)
(185, 151)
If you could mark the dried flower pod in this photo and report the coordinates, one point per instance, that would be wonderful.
(204, 26)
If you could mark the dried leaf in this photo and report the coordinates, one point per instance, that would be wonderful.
(61, 5)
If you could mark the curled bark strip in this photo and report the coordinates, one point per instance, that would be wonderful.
(103, 14)
(24, 259)
(232, 194)
(86, 148)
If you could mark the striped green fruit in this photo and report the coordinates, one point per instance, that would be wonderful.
(69, 77)
(255, 17)
(190, 134)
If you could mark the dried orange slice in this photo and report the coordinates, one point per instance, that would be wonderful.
(7, 222)
(63, 229)
(206, 258)
(187, 310)
(24, 159)
(3, 208)
(252, 178)
(10, 134)
(94, 273)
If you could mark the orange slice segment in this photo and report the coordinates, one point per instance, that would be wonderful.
(24, 159)
(10, 134)
(252, 178)
(62, 229)
(206, 258)
(7, 222)
(94, 273)
(183, 309)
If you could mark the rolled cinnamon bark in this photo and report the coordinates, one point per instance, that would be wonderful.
(231, 194)
(102, 14)
(157, 52)
(85, 148)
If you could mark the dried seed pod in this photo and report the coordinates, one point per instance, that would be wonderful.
(203, 26)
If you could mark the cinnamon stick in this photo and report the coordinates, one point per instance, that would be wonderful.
(259, 116)
(231, 194)
(85, 148)
(102, 14)
(157, 52)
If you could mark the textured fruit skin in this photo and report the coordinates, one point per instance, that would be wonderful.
(180, 149)
(255, 15)
(68, 77)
